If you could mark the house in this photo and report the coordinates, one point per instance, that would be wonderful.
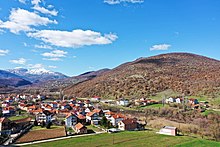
(99, 112)
(80, 129)
(167, 130)
(109, 114)
(70, 120)
(5, 126)
(8, 111)
(46, 117)
(54, 105)
(96, 99)
(193, 101)
(21, 124)
(81, 119)
(114, 119)
(170, 100)
(127, 124)
(92, 118)
(178, 100)
(123, 102)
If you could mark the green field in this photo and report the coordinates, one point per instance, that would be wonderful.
(44, 128)
(17, 117)
(131, 139)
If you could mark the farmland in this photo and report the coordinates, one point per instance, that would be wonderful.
(35, 135)
(141, 138)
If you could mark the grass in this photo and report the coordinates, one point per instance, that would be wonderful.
(40, 128)
(130, 139)
(154, 106)
(95, 129)
(207, 112)
(12, 118)
(199, 143)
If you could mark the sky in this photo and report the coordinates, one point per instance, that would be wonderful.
(76, 36)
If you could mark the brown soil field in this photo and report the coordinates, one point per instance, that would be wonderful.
(42, 135)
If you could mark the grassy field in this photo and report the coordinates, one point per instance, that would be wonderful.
(131, 139)
(17, 117)
(210, 111)
(40, 128)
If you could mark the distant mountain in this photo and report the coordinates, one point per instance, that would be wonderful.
(180, 72)
(10, 79)
(37, 75)
(56, 85)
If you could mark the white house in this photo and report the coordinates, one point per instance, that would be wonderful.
(70, 120)
(115, 119)
(46, 116)
(123, 102)
(170, 100)
(167, 130)
(92, 117)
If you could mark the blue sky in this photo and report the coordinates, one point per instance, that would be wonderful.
(76, 36)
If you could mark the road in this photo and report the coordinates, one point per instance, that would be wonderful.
(55, 139)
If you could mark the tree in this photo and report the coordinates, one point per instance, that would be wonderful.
(43, 124)
(104, 122)
(35, 123)
(48, 125)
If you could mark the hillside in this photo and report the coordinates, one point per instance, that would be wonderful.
(181, 72)
(10, 79)
(56, 85)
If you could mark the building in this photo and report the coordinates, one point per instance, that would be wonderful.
(80, 129)
(71, 120)
(92, 118)
(167, 130)
(114, 119)
(46, 117)
(123, 102)
(5, 125)
(128, 124)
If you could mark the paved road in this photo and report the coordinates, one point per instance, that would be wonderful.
(55, 139)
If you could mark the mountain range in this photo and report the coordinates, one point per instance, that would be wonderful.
(21, 77)
(37, 75)
(186, 73)
(183, 73)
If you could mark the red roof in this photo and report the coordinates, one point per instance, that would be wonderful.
(79, 126)
(90, 114)
(129, 121)
(118, 116)
(97, 110)
(80, 116)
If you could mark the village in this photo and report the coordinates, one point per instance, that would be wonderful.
(21, 114)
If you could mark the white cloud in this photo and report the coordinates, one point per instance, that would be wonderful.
(35, 2)
(160, 47)
(52, 66)
(35, 66)
(52, 59)
(76, 38)
(25, 44)
(21, 61)
(113, 2)
(23, 20)
(3, 52)
(43, 46)
(55, 55)
(22, 1)
(43, 10)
